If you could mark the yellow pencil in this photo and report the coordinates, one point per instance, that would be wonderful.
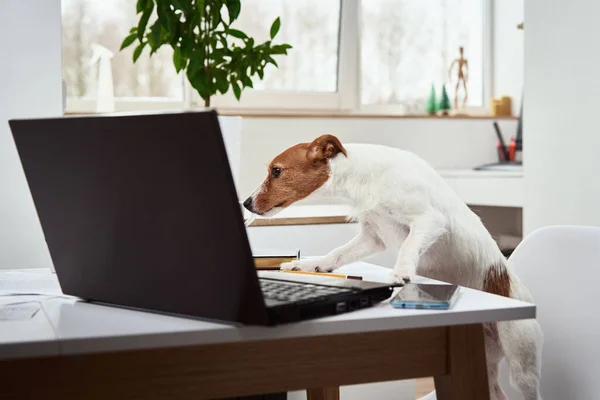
(323, 274)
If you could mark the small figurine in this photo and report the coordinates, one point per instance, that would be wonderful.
(463, 76)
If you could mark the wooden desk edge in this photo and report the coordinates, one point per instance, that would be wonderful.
(237, 369)
(322, 220)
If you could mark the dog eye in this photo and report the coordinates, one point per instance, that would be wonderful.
(276, 172)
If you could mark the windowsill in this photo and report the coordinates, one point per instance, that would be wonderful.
(333, 114)
(313, 114)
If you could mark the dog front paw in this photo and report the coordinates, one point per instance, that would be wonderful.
(399, 277)
(307, 266)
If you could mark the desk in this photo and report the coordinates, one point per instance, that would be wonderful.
(76, 350)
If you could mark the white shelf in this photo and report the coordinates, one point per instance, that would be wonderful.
(487, 188)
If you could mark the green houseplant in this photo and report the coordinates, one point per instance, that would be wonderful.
(213, 55)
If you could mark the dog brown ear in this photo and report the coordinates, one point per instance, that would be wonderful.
(324, 147)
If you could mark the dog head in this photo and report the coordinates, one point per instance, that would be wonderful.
(295, 174)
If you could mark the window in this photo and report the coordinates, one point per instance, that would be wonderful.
(312, 26)
(350, 55)
(307, 78)
(92, 32)
(408, 45)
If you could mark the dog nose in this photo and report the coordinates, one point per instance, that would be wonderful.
(248, 204)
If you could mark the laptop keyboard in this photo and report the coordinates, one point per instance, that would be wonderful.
(291, 291)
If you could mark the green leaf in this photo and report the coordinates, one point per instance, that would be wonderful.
(246, 80)
(138, 51)
(280, 49)
(218, 56)
(174, 35)
(198, 82)
(275, 27)
(261, 73)
(221, 81)
(133, 30)
(165, 15)
(233, 7)
(212, 42)
(215, 17)
(271, 61)
(177, 60)
(154, 37)
(196, 64)
(237, 91)
(223, 40)
(237, 34)
(140, 6)
(144, 19)
(176, 4)
(187, 46)
(200, 9)
(196, 60)
(128, 41)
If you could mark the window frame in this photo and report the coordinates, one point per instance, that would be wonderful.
(345, 101)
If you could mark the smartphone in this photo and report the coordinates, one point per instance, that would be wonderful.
(425, 296)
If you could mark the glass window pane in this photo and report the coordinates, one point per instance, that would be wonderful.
(86, 23)
(408, 45)
(311, 27)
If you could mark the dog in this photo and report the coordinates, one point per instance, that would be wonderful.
(402, 203)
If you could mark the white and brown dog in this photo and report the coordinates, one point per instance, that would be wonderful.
(402, 203)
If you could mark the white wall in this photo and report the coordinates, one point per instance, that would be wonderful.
(508, 51)
(30, 86)
(561, 126)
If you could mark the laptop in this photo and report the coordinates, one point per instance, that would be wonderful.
(141, 211)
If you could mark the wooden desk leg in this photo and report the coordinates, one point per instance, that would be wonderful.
(467, 378)
(332, 393)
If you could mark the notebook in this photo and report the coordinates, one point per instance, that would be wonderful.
(272, 258)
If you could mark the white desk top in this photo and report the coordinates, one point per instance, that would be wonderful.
(67, 326)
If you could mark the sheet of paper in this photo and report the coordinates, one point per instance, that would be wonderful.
(29, 283)
(19, 312)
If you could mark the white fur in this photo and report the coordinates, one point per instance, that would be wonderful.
(402, 203)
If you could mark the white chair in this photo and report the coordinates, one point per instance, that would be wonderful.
(561, 267)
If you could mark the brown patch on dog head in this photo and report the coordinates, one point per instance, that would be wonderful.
(296, 173)
(325, 147)
(497, 280)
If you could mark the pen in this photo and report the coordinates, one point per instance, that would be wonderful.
(512, 148)
(501, 140)
(323, 274)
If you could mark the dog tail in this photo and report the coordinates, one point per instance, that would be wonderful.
(501, 280)
(521, 341)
